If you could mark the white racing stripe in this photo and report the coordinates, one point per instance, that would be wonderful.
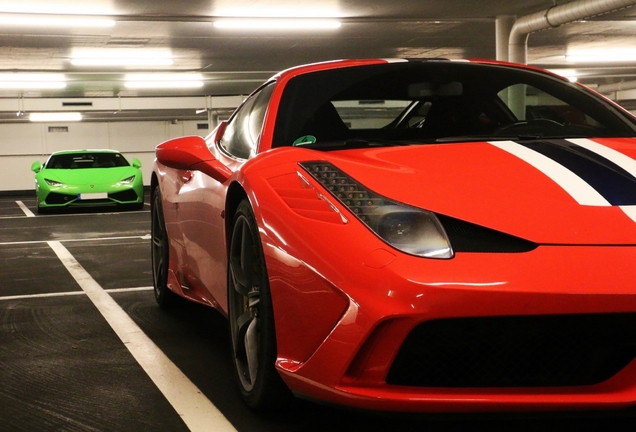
(198, 413)
(578, 189)
(620, 159)
(630, 211)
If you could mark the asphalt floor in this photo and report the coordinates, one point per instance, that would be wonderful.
(84, 347)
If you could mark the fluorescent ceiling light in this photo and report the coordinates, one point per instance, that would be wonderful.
(32, 81)
(604, 55)
(121, 62)
(163, 84)
(159, 80)
(277, 24)
(287, 11)
(123, 57)
(74, 7)
(55, 117)
(37, 20)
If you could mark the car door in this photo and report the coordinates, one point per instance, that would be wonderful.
(202, 200)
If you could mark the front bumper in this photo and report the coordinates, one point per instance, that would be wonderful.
(572, 308)
(70, 196)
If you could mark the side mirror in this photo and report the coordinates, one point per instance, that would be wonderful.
(36, 167)
(191, 153)
(136, 163)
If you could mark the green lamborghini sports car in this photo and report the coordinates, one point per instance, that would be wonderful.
(88, 178)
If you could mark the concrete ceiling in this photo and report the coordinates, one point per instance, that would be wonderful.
(234, 62)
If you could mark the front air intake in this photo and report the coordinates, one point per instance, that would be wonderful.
(519, 351)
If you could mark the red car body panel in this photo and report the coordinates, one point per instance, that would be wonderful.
(344, 300)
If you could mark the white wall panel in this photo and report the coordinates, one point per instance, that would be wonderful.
(137, 136)
(79, 136)
(16, 174)
(22, 144)
(21, 139)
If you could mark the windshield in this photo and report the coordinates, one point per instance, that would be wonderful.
(438, 101)
(86, 160)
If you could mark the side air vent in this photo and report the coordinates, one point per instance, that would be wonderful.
(468, 237)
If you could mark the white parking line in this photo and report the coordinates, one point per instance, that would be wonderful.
(198, 413)
(79, 214)
(71, 293)
(25, 209)
(143, 237)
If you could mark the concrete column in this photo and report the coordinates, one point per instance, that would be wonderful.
(503, 27)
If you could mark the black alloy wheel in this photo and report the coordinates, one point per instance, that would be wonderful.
(160, 254)
(251, 317)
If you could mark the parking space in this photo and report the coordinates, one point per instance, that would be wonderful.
(84, 347)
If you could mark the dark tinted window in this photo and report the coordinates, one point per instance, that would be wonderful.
(86, 160)
(430, 101)
(242, 134)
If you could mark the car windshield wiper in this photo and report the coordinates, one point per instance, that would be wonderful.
(355, 143)
(519, 137)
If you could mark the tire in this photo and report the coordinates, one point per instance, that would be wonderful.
(160, 254)
(39, 210)
(251, 317)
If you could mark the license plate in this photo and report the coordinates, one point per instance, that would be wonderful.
(93, 196)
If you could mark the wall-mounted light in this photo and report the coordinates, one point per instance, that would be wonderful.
(41, 20)
(164, 81)
(55, 117)
(604, 55)
(121, 57)
(278, 24)
(29, 81)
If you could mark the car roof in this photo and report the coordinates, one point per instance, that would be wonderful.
(80, 151)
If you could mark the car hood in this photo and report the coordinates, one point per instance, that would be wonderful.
(576, 191)
(88, 175)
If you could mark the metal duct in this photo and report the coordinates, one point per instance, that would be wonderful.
(554, 17)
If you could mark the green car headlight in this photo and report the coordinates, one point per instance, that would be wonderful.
(128, 180)
(409, 229)
(53, 183)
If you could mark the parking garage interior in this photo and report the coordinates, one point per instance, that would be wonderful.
(83, 345)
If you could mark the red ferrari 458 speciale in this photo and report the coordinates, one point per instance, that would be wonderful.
(412, 236)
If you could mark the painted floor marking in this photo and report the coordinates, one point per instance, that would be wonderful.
(198, 413)
(25, 209)
(78, 214)
(143, 237)
(72, 293)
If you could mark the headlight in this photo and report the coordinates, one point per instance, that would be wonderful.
(53, 183)
(409, 229)
(128, 179)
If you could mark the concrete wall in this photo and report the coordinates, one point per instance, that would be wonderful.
(23, 144)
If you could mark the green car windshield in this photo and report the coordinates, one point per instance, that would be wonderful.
(86, 160)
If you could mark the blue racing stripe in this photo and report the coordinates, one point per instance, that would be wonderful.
(611, 181)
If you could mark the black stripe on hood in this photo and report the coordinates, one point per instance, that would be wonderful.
(611, 181)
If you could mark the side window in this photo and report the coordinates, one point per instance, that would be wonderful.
(530, 103)
(243, 133)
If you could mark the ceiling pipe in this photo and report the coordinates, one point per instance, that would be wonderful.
(554, 17)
